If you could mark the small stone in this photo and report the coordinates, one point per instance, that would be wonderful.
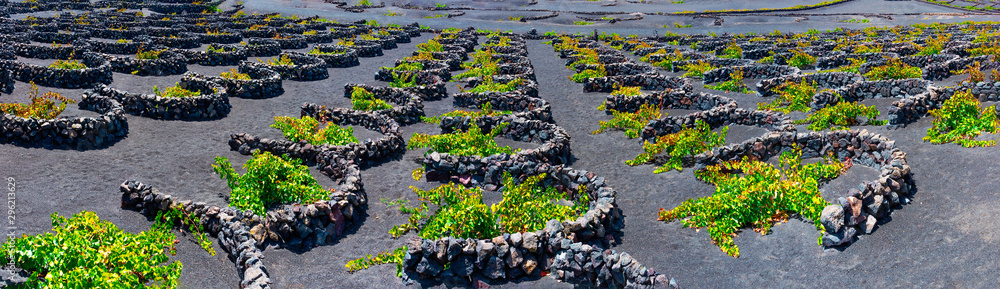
(494, 268)
(258, 233)
(530, 263)
(530, 242)
(870, 224)
(429, 267)
(832, 218)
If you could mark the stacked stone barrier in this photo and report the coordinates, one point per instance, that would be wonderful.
(81, 133)
(211, 104)
(98, 71)
(305, 68)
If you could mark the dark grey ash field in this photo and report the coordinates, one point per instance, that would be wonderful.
(944, 237)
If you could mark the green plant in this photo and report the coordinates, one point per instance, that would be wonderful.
(582, 23)
(86, 252)
(269, 180)
(732, 51)
(667, 62)
(841, 115)
(123, 41)
(406, 66)
(435, 16)
(678, 25)
(365, 3)
(364, 100)
(801, 59)
(490, 85)
(697, 69)
(67, 64)
(430, 46)
(234, 74)
(461, 212)
(153, 54)
(41, 107)
(991, 49)
(630, 122)
(687, 142)
(390, 13)
(754, 193)
(589, 73)
(894, 69)
(307, 129)
(791, 97)
(486, 110)
(284, 60)
(960, 120)
(219, 49)
(627, 90)
(175, 91)
(467, 143)
(934, 45)
(394, 257)
(403, 79)
(868, 49)
(515, 18)
(174, 215)
(734, 84)
(439, 5)
(854, 67)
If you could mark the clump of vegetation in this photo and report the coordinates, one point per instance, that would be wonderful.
(868, 49)
(86, 252)
(894, 69)
(41, 106)
(430, 46)
(150, 54)
(630, 122)
(801, 59)
(992, 49)
(406, 66)
(461, 212)
(934, 45)
(469, 143)
(791, 97)
(854, 67)
(960, 120)
(316, 51)
(403, 79)
(490, 85)
(284, 60)
(687, 142)
(582, 23)
(234, 74)
(732, 51)
(697, 69)
(755, 193)
(667, 62)
(175, 91)
(486, 109)
(175, 216)
(589, 73)
(67, 64)
(270, 180)
(842, 115)
(307, 129)
(627, 90)
(394, 257)
(362, 99)
(734, 84)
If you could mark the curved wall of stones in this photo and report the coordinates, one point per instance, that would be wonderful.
(79, 133)
(98, 71)
(170, 62)
(212, 104)
(305, 68)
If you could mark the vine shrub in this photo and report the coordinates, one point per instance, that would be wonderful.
(755, 193)
(403, 79)
(894, 69)
(630, 122)
(732, 51)
(589, 73)
(269, 180)
(67, 64)
(801, 59)
(468, 143)
(698, 69)
(41, 107)
(283, 60)
(667, 62)
(791, 97)
(86, 252)
(430, 46)
(687, 142)
(841, 115)
(734, 84)
(148, 54)
(490, 85)
(960, 120)
(234, 74)
(486, 110)
(307, 129)
(362, 99)
(175, 91)
(461, 212)
(175, 215)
